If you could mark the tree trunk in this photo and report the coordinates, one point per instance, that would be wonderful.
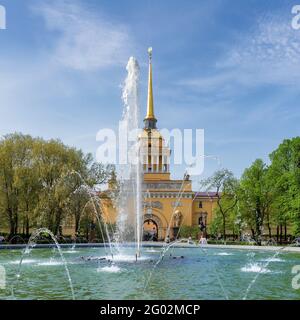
(23, 227)
(258, 233)
(27, 220)
(57, 221)
(16, 218)
(270, 230)
(285, 232)
(87, 233)
(11, 230)
(224, 229)
(27, 227)
(77, 222)
(258, 222)
(258, 238)
(11, 223)
(280, 241)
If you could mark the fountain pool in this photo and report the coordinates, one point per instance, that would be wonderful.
(190, 273)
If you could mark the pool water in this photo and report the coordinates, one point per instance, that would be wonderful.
(184, 273)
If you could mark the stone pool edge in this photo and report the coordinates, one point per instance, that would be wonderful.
(158, 245)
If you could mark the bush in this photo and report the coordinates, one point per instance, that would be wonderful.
(187, 231)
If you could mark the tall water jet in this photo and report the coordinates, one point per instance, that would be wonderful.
(130, 174)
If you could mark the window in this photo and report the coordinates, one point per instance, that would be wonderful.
(200, 204)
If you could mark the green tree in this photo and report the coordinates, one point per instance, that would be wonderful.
(255, 197)
(189, 231)
(225, 185)
(27, 182)
(215, 227)
(285, 176)
(39, 180)
(15, 161)
(56, 162)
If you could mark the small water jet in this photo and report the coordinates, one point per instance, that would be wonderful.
(96, 204)
(31, 244)
(264, 267)
(111, 269)
(255, 267)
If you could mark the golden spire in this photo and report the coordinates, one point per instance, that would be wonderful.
(150, 107)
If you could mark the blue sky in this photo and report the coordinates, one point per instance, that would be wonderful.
(231, 67)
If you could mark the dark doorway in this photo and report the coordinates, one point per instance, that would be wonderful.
(150, 230)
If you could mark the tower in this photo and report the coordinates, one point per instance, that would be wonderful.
(150, 120)
(155, 155)
(167, 203)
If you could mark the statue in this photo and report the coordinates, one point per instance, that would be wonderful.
(177, 218)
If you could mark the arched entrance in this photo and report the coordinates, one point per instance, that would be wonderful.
(152, 228)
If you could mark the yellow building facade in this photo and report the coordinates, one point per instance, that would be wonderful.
(167, 204)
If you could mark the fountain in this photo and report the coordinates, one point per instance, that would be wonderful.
(130, 174)
(129, 276)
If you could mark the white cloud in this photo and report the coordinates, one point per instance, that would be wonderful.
(274, 41)
(86, 40)
(269, 55)
(38, 96)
